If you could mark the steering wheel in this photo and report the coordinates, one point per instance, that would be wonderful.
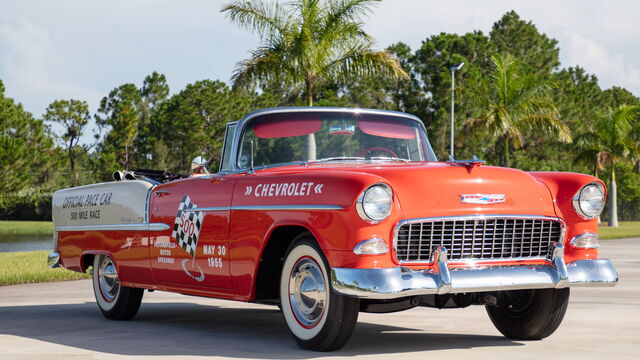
(383, 149)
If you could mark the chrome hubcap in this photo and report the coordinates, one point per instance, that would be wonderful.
(108, 279)
(307, 292)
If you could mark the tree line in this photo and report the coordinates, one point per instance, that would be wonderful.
(515, 105)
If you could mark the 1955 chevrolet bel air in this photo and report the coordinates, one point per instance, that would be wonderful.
(327, 212)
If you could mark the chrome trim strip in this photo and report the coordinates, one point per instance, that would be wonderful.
(396, 230)
(288, 207)
(268, 208)
(116, 227)
(207, 209)
(55, 241)
(147, 206)
(398, 282)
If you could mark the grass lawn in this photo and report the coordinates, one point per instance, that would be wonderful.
(626, 229)
(31, 267)
(26, 227)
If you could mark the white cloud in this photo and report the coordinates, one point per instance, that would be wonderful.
(600, 36)
(611, 68)
(79, 49)
(30, 69)
(30, 64)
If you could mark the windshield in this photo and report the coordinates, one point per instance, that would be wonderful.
(329, 136)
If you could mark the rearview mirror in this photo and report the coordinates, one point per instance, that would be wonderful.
(343, 129)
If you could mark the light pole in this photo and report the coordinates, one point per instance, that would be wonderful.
(453, 69)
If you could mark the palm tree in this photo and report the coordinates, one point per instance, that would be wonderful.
(517, 103)
(305, 42)
(611, 140)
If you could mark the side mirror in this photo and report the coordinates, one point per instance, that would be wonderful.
(199, 165)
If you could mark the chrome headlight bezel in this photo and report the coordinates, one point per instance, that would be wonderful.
(360, 204)
(577, 201)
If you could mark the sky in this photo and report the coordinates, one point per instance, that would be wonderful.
(82, 49)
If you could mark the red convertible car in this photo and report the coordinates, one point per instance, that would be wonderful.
(327, 212)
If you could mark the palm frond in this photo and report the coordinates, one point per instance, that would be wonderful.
(264, 65)
(365, 62)
(340, 12)
(266, 18)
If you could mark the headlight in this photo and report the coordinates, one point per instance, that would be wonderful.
(374, 204)
(589, 201)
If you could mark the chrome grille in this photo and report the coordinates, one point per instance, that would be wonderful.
(477, 238)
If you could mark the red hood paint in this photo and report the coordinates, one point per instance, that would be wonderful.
(435, 189)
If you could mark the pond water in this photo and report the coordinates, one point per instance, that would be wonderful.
(24, 242)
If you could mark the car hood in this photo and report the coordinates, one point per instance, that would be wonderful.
(437, 189)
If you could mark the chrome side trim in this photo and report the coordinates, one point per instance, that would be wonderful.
(289, 207)
(207, 209)
(268, 208)
(117, 227)
(474, 262)
(398, 282)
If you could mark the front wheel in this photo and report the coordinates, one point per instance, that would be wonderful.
(529, 314)
(318, 318)
(116, 302)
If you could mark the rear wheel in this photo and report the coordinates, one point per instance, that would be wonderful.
(115, 301)
(318, 318)
(529, 314)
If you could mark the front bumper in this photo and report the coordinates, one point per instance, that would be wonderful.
(397, 282)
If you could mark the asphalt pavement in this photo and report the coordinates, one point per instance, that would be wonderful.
(61, 321)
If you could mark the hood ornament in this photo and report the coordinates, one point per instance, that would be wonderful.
(482, 199)
(469, 164)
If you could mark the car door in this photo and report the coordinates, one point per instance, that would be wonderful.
(194, 250)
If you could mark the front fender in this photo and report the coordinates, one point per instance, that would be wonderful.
(563, 186)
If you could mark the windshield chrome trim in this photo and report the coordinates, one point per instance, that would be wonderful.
(241, 124)
(224, 142)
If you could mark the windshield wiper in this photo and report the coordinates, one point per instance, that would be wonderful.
(337, 158)
(388, 158)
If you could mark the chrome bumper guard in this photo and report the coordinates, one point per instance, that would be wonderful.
(53, 260)
(391, 283)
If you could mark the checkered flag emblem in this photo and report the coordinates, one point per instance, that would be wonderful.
(186, 229)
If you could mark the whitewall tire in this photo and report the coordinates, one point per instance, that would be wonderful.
(317, 318)
(115, 301)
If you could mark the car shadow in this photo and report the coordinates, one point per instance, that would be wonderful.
(198, 330)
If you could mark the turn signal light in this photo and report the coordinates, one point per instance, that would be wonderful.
(586, 240)
(373, 246)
